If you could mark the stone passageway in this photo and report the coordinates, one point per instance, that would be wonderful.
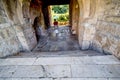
(58, 39)
(59, 55)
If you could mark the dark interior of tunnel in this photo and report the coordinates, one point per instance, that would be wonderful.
(52, 2)
(55, 2)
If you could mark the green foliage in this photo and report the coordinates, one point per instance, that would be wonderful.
(60, 9)
(63, 18)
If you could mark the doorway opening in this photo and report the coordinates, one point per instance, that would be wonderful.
(60, 13)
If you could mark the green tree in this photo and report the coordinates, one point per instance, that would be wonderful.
(60, 9)
(63, 18)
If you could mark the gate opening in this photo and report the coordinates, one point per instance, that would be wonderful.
(59, 13)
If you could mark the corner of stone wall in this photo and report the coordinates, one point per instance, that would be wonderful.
(30, 37)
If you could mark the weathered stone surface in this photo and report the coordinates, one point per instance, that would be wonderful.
(107, 31)
(59, 78)
(58, 71)
(7, 71)
(26, 79)
(30, 36)
(28, 71)
(92, 59)
(85, 45)
(49, 60)
(3, 49)
(8, 38)
(99, 24)
(17, 61)
(9, 46)
(96, 71)
(80, 68)
(2, 19)
(82, 79)
(2, 14)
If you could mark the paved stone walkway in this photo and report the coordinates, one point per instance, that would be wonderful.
(37, 67)
(59, 39)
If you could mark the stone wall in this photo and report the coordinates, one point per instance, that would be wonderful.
(107, 36)
(16, 25)
(28, 29)
(16, 32)
(86, 20)
(99, 25)
(8, 39)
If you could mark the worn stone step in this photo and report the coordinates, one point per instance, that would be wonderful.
(80, 60)
(73, 65)
(61, 71)
(105, 67)
(75, 53)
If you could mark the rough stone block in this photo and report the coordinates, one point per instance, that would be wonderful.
(23, 41)
(9, 47)
(95, 71)
(17, 61)
(2, 20)
(4, 50)
(1, 38)
(18, 29)
(33, 42)
(26, 79)
(97, 46)
(4, 25)
(57, 71)
(13, 45)
(114, 79)
(29, 71)
(7, 71)
(5, 34)
(11, 31)
(85, 45)
(53, 61)
(83, 79)
(113, 19)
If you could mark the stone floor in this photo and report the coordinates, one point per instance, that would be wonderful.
(88, 65)
(61, 41)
